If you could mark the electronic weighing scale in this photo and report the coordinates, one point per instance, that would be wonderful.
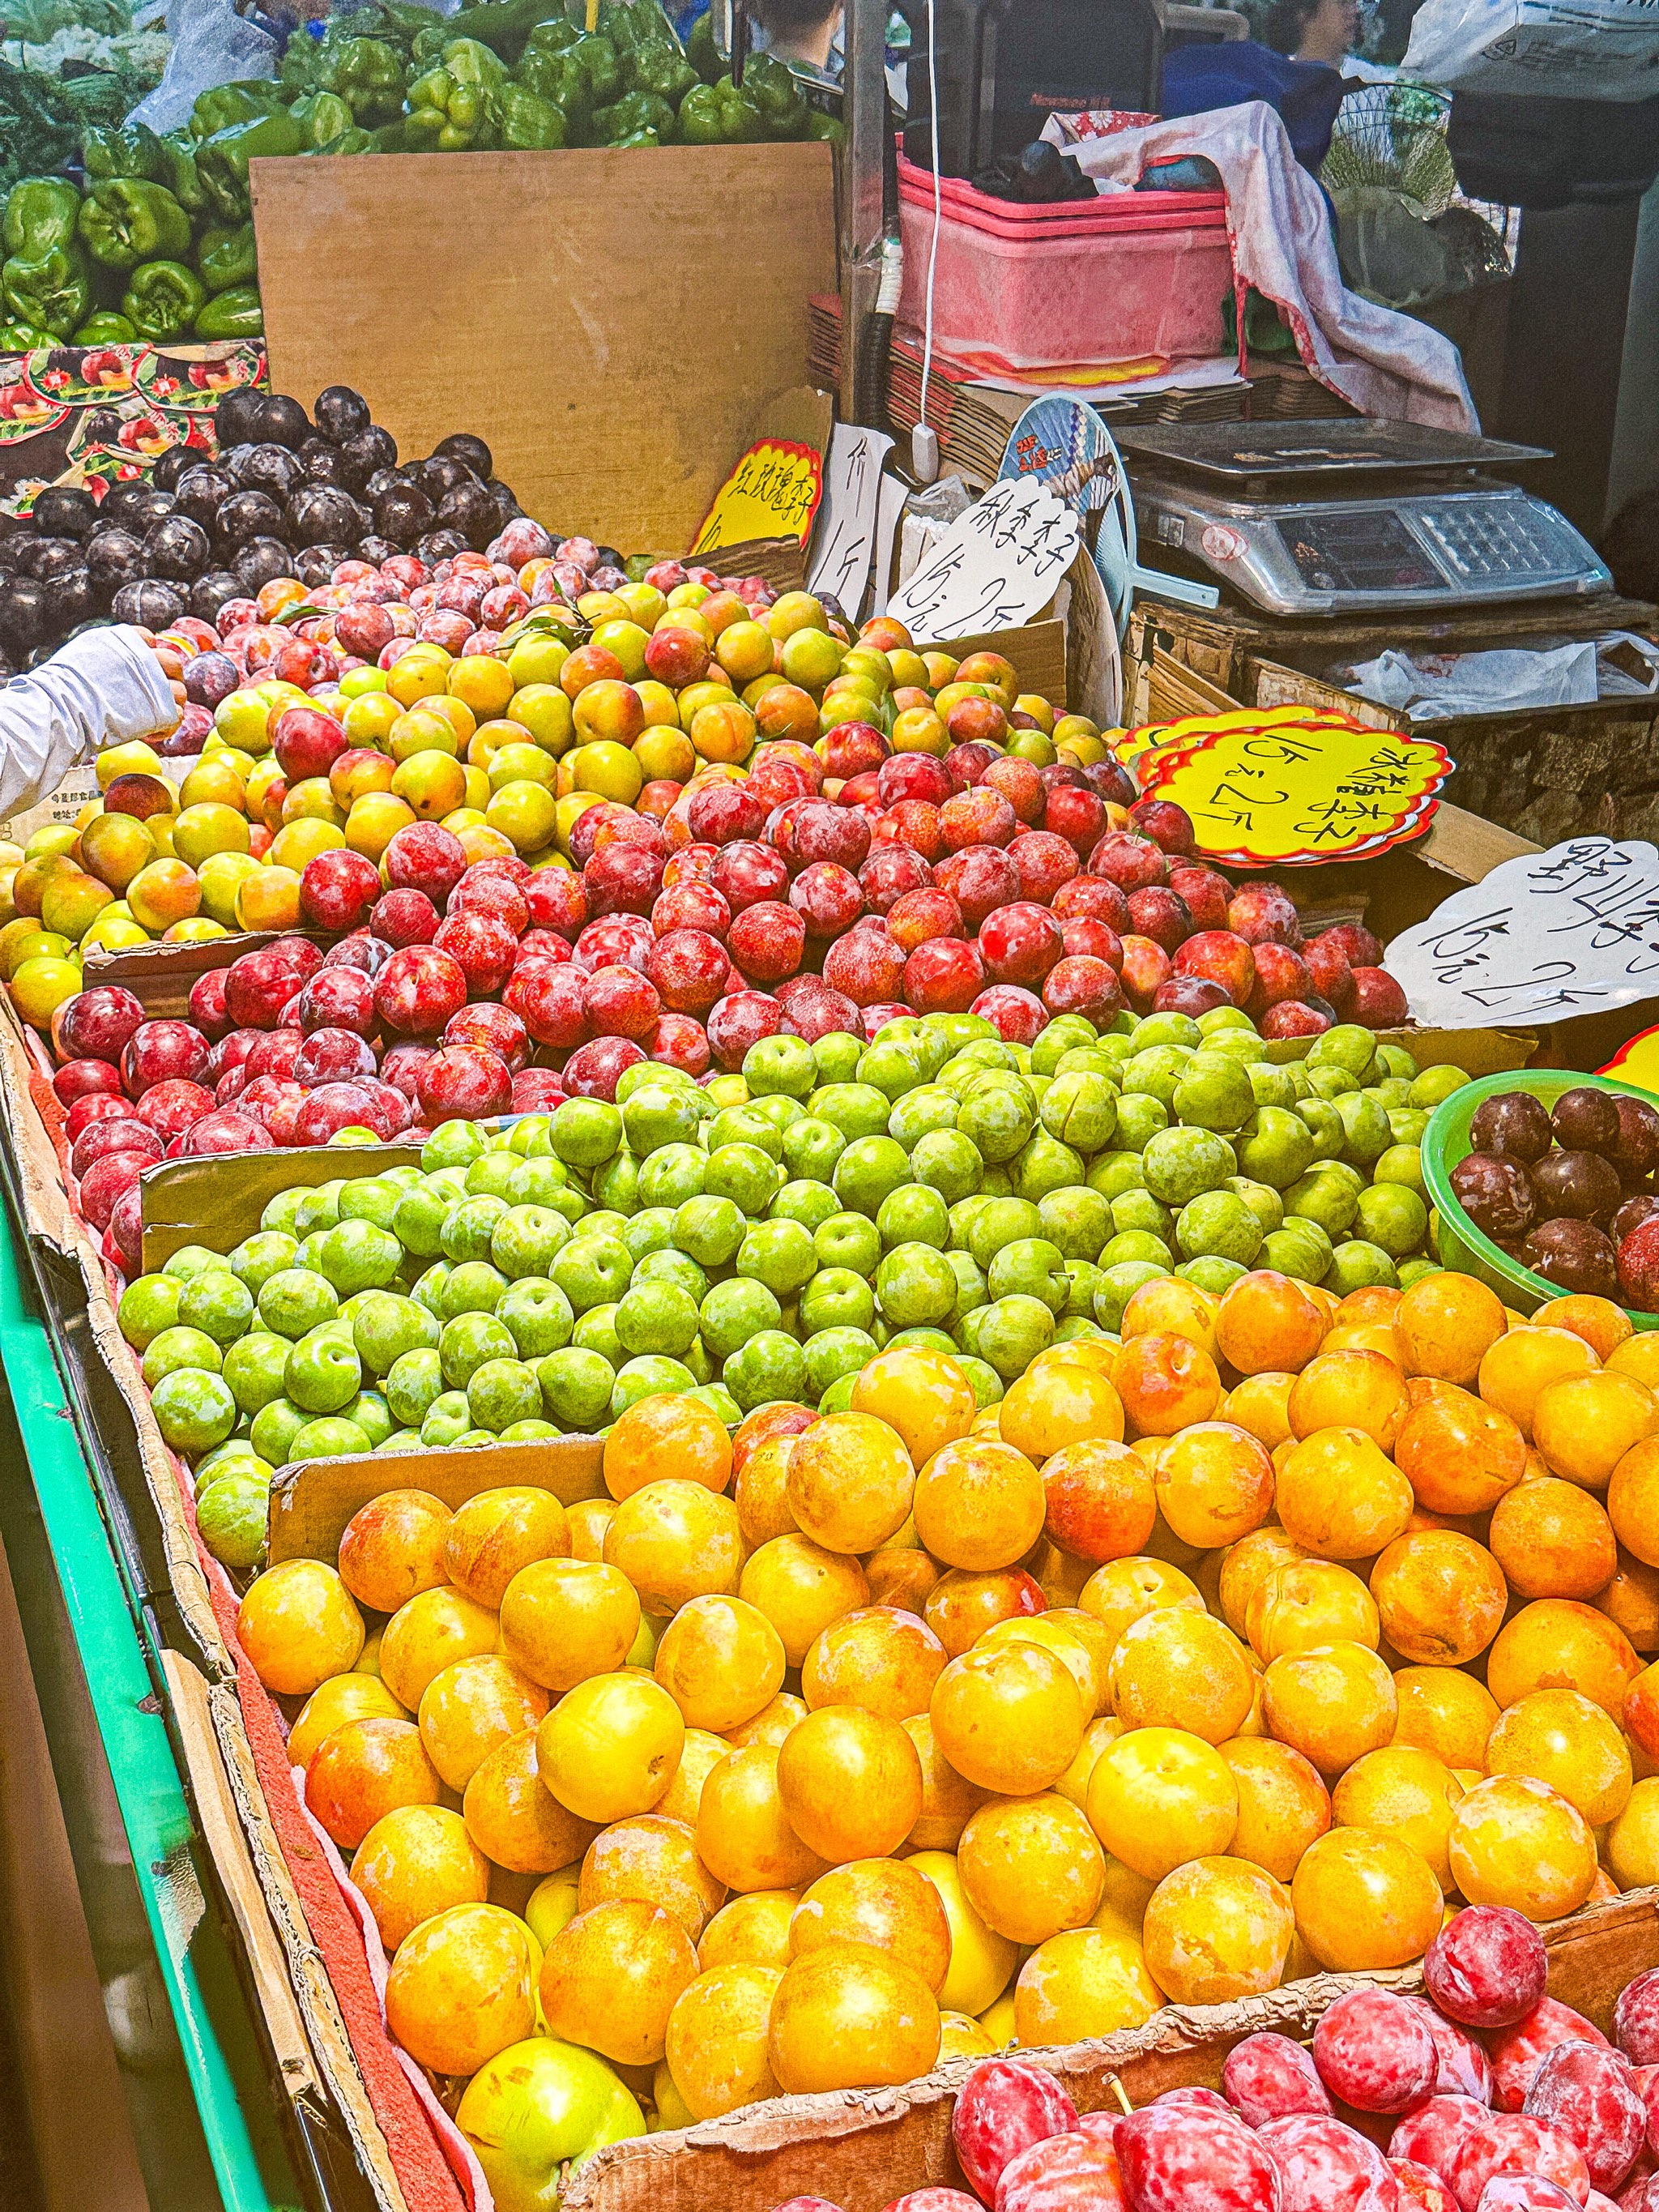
(1331, 518)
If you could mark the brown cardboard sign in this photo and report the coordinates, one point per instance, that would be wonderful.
(770, 495)
(159, 976)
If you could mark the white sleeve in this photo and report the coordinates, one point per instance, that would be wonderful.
(102, 689)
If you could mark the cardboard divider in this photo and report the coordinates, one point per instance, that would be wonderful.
(160, 975)
(312, 1501)
(216, 1198)
(861, 2149)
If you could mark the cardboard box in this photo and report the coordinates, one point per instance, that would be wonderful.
(861, 2149)
(606, 321)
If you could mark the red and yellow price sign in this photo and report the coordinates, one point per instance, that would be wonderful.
(1291, 787)
(1637, 1062)
(774, 491)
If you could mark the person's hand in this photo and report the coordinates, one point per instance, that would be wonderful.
(173, 663)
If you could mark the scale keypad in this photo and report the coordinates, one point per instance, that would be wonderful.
(1478, 541)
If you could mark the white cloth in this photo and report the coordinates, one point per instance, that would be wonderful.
(100, 689)
(1382, 363)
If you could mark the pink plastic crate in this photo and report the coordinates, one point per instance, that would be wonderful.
(1115, 278)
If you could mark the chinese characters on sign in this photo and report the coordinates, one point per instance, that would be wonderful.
(998, 565)
(1267, 792)
(773, 492)
(1571, 931)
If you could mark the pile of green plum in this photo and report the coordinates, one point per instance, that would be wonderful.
(760, 1237)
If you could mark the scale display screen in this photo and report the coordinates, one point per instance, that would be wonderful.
(1361, 550)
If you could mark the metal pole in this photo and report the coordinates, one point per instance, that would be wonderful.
(865, 112)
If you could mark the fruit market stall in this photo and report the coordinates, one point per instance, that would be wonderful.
(812, 1387)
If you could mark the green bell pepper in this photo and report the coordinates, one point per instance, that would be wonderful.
(470, 62)
(131, 152)
(634, 112)
(49, 290)
(701, 51)
(597, 58)
(183, 180)
(634, 138)
(367, 75)
(768, 83)
(301, 63)
(390, 138)
(19, 336)
(40, 213)
(106, 328)
(223, 159)
(226, 104)
(553, 77)
(227, 257)
(322, 116)
(459, 104)
(653, 58)
(529, 123)
(124, 221)
(163, 299)
(829, 128)
(505, 27)
(354, 141)
(233, 314)
(555, 38)
(719, 115)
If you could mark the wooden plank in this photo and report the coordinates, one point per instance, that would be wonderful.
(311, 1503)
(609, 320)
(215, 1805)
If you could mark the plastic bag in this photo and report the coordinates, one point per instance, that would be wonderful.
(1570, 49)
(1434, 686)
(212, 45)
(1386, 250)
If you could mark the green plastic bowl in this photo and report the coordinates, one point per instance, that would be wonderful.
(1446, 1141)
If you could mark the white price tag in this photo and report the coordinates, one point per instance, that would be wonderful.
(996, 566)
(845, 536)
(1543, 937)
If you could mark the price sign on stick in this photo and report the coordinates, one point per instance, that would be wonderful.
(996, 566)
(773, 492)
(1266, 793)
(847, 525)
(1548, 935)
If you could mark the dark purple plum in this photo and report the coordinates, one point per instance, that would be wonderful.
(1575, 1254)
(1582, 1186)
(1586, 1120)
(1631, 1214)
(1497, 1194)
(1513, 1122)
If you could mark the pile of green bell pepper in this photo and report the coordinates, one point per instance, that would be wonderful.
(159, 246)
(528, 74)
(159, 243)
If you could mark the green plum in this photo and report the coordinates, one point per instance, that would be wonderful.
(538, 1314)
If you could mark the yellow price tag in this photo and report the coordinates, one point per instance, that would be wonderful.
(1292, 789)
(773, 492)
